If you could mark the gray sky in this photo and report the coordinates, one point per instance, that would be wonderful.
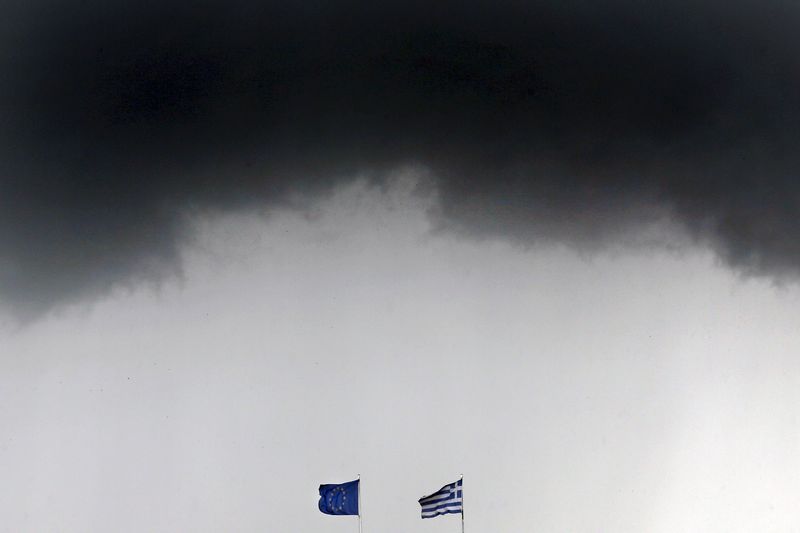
(561, 121)
(248, 247)
(628, 391)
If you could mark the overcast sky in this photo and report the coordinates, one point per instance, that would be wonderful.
(623, 392)
(251, 247)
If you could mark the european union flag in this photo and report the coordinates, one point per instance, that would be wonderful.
(339, 499)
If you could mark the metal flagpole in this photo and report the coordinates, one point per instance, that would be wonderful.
(359, 504)
(462, 503)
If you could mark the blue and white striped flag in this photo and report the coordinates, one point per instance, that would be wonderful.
(448, 499)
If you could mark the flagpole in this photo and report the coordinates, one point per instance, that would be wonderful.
(359, 504)
(462, 503)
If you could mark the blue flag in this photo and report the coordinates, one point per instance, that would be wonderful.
(339, 499)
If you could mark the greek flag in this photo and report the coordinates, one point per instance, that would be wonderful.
(448, 499)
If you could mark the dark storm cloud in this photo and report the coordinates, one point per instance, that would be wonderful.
(571, 121)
